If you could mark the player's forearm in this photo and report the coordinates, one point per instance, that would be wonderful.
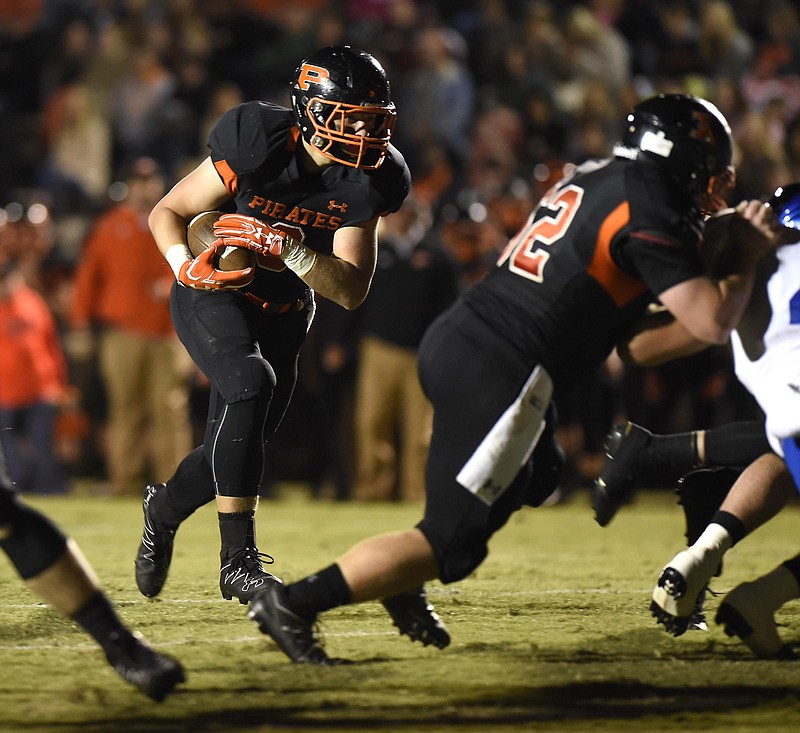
(656, 339)
(167, 226)
(735, 292)
(339, 281)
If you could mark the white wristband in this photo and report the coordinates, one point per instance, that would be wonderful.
(176, 255)
(298, 258)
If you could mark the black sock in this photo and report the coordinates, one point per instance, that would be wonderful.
(733, 524)
(164, 513)
(237, 530)
(793, 566)
(99, 619)
(668, 457)
(736, 444)
(191, 486)
(318, 592)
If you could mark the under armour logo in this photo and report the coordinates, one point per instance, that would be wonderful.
(491, 490)
(333, 205)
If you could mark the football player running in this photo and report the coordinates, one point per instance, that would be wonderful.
(603, 244)
(307, 186)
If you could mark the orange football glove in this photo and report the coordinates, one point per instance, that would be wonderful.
(244, 231)
(201, 273)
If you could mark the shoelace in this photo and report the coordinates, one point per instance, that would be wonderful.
(251, 555)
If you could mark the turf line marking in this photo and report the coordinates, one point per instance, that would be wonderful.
(83, 646)
(122, 603)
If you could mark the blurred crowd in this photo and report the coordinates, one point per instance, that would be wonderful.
(105, 103)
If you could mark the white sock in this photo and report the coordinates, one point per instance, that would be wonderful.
(712, 545)
(715, 538)
(777, 587)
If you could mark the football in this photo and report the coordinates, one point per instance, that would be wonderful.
(718, 249)
(200, 234)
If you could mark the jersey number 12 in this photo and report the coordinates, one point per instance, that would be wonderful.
(527, 251)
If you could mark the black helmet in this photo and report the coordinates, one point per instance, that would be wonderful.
(330, 85)
(687, 136)
(786, 203)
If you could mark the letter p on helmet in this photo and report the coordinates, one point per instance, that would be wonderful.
(310, 74)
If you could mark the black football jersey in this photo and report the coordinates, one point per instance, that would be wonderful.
(602, 245)
(255, 147)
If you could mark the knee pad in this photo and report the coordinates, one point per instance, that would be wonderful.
(251, 378)
(31, 541)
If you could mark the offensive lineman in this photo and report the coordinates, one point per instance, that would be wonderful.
(601, 246)
(308, 185)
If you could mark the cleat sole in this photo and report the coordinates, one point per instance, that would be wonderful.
(675, 625)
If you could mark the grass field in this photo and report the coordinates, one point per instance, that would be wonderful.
(552, 633)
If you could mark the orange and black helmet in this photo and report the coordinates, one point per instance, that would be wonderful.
(686, 136)
(330, 87)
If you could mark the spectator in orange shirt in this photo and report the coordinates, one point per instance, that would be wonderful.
(121, 298)
(34, 377)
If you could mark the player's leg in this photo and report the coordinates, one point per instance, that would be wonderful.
(636, 457)
(53, 567)
(700, 494)
(759, 493)
(748, 611)
(263, 360)
(381, 565)
(165, 507)
(449, 543)
(195, 481)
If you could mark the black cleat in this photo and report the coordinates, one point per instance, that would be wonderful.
(700, 494)
(243, 577)
(136, 662)
(294, 635)
(697, 618)
(155, 551)
(414, 615)
(617, 481)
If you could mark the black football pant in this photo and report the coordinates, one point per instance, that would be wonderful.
(250, 359)
(471, 377)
